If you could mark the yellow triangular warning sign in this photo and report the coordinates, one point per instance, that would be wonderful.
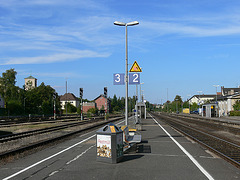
(135, 67)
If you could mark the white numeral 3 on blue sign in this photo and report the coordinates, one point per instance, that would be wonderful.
(118, 79)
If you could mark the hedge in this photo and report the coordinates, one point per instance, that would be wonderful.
(234, 113)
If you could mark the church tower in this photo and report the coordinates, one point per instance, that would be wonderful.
(30, 83)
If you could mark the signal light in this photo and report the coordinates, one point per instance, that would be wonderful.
(81, 92)
(105, 91)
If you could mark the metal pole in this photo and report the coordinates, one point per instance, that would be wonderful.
(54, 108)
(199, 102)
(189, 106)
(189, 103)
(217, 110)
(140, 93)
(167, 99)
(126, 82)
(137, 104)
(126, 75)
(105, 110)
(81, 110)
(66, 98)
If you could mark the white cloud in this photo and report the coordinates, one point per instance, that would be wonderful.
(84, 4)
(190, 29)
(60, 57)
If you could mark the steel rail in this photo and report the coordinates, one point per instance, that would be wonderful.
(20, 150)
(15, 136)
(227, 150)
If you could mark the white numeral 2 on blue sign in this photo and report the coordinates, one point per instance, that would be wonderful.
(118, 79)
(134, 78)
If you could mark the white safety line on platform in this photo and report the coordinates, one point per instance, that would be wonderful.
(80, 154)
(186, 152)
(54, 155)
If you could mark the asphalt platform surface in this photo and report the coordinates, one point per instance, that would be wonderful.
(162, 154)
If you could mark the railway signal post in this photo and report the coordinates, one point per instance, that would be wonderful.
(81, 95)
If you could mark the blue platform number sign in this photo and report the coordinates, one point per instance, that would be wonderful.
(118, 79)
(134, 78)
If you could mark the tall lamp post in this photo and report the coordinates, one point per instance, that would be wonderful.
(176, 106)
(189, 103)
(216, 99)
(126, 75)
(136, 104)
(141, 92)
(199, 101)
(216, 91)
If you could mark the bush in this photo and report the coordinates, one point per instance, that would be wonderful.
(70, 108)
(234, 113)
(15, 107)
(3, 111)
(93, 111)
(47, 108)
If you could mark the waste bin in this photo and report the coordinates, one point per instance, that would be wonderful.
(109, 144)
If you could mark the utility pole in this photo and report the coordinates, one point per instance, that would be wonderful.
(66, 102)
(137, 104)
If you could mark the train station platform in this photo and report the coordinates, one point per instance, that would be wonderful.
(162, 154)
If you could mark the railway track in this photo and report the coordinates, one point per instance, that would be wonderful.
(20, 122)
(204, 133)
(88, 125)
(10, 137)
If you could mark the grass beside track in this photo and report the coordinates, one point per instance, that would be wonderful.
(27, 127)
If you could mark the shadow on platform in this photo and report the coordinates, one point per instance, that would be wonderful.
(129, 157)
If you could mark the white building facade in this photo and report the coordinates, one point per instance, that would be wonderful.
(225, 104)
(69, 98)
(201, 99)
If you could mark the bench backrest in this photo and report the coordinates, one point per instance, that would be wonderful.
(125, 133)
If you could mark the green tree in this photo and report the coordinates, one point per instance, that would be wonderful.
(41, 99)
(177, 103)
(70, 108)
(236, 106)
(14, 107)
(185, 104)
(8, 90)
(47, 108)
(93, 111)
(194, 106)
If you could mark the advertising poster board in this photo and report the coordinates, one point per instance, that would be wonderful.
(104, 146)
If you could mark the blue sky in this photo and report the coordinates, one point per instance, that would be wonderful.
(182, 46)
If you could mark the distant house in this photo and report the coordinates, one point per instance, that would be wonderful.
(102, 103)
(202, 98)
(30, 83)
(88, 105)
(69, 98)
(225, 103)
(229, 91)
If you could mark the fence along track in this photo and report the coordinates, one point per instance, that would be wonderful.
(224, 148)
